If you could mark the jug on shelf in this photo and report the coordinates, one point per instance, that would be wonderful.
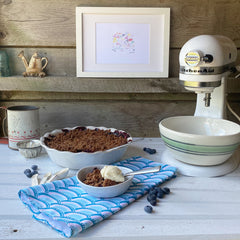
(35, 67)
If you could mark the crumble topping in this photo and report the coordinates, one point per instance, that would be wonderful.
(82, 139)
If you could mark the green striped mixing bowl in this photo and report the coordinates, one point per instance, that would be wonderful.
(200, 140)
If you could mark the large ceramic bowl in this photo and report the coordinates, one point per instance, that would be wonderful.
(82, 159)
(104, 192)
(200, 140)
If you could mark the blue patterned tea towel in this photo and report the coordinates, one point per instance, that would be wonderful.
(68, 209)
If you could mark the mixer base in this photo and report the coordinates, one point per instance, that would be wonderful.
(202, 171)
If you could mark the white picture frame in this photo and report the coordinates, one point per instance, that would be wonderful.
(122, 42)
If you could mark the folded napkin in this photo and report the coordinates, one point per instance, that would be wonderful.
(68, 209)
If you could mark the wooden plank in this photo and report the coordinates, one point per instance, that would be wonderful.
(90, 85)
(100, 85)
(53, 23)
(129, 229)
(68, 96)
(62, 61)
(139, 118)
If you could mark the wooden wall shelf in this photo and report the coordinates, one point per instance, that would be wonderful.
(99, 85)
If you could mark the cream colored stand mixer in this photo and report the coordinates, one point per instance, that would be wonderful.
(205, 63)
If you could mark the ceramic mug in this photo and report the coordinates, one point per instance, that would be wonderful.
(23, 124)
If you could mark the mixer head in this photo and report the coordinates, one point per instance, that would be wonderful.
(204, 61)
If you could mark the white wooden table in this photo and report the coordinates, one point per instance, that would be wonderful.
(197, 208)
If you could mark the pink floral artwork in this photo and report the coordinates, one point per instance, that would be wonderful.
(123, 43)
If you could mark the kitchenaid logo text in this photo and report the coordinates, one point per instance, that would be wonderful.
(197, 71)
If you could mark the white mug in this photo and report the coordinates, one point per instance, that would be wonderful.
(23, 124)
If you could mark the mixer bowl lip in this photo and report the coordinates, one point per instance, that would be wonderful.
(230, 138)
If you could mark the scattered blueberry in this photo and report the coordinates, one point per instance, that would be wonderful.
(34, 172)
(27, 171)
(153, 202)
(166, 190)
(155, 192)
(34, 167)
(160, 193)
(151, 197)
(149, 150)
(148, 209)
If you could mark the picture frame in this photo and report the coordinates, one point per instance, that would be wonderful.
(114, 42)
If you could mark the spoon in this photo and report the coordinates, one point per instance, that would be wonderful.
(35, 180)
(143, 171)
(45, 178)
(58, 175)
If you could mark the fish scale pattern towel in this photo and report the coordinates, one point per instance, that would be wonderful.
(67, 208)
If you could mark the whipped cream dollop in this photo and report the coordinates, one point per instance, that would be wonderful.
(112, 173)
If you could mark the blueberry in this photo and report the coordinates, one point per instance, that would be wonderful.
(152, 188)
(65, 130)
(124, 135)
(27, 171)
(34, 167)
(117, 133)
(149, 150)
(153, 202)
(34, 172)
(160, 193)
(166, 190)
(81, 128)
(29, 174)
(148, 209)
(153, 191)
(151, 197)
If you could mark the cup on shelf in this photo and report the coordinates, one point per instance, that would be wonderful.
(4, 64)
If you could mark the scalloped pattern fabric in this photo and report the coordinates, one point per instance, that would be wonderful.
(67, 208)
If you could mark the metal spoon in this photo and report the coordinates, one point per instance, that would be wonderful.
(143, 171)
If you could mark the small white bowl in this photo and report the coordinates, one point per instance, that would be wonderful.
(200, 140)
(104, 192)
(82, 159)
(29, 148)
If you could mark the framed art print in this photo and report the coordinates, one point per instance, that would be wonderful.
(122, 42)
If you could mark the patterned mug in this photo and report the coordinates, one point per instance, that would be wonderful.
(23, 124)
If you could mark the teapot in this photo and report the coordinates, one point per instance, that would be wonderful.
(35, 66)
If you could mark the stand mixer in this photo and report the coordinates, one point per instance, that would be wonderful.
(205, 63)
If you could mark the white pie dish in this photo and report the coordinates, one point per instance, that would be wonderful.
(82, 159)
